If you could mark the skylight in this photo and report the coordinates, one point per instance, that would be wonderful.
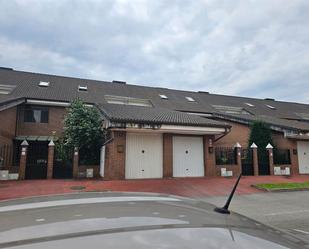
(6, 89)
(162, 96)
(122, 100)
(82, 88)
(271, 107)
(230, 109)
(44, 83)
(190, 99)
(248, 104)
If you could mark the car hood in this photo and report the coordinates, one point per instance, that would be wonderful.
(130, 221)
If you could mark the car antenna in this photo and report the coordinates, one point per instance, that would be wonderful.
(225, 208)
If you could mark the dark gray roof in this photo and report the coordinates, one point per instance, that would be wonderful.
(66, 89)
(156, 115)
(273, 121)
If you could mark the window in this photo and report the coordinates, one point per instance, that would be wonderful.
(6, 89)
(190, 99)
(121, 100)
(44, 84)
(82, 88)
(230, 109)
(36, 114)
(162, 96)
(248, 104)
(271, 107)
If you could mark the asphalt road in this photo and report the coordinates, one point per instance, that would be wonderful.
(288, 211)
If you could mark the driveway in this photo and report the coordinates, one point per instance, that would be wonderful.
(188, 187)
(285, 210)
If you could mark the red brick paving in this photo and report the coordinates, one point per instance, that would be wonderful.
(189, 187)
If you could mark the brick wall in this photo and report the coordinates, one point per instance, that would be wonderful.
(239, 133)
(55, 123)
(235, 168)
(284, 143)
(7, 125)
(115, 157)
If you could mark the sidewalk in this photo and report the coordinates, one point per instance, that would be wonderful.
(189, 187)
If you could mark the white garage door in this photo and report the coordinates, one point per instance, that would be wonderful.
(144, 156)
(303, 157)
(188, 157)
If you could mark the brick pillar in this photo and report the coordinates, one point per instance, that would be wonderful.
(23, 160)
(209, 156)
(238, 157)
(75, 163)
(167, 155)
(269, 148)
(255, 159)
(50, 159)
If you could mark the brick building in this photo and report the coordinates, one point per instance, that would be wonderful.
(157, 132)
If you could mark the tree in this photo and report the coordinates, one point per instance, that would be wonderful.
(83, 129)
(260, 134)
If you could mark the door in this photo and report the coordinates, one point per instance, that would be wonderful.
(36, 166)
(263, 160)
(247, 162)
(188, 156)
(63, 163)
(303, 157)
(144, 156)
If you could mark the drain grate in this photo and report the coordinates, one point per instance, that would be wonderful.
(77, 187)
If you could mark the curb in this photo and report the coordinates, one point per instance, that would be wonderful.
(280, 189)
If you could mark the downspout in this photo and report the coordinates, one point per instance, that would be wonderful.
(227, 131)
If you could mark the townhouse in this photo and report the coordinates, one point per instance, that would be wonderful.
(157, 132)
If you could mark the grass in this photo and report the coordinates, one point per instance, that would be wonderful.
(284, 185)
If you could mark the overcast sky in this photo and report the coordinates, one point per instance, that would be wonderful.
(247, 48)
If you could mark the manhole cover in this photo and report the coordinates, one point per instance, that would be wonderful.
(78, 187)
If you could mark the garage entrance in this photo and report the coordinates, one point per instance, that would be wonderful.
(303, 157)
(188, 156)
(144, 156)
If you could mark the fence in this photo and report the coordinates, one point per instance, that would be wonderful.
(247, 161)
(281, 156)
(225, 155)
(6, 155)
(89, 156)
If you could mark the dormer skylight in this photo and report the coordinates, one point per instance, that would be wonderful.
(190, 99)
(249, 104)
(44, 84)
(122, 100)
(6, 89)
(82, 88)
(230, 109)
(162, 96)
(271, 107)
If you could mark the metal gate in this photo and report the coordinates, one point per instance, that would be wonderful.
(6, 156)
(247, 162)
(36, 167)
(63, 163)
(263, 161)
